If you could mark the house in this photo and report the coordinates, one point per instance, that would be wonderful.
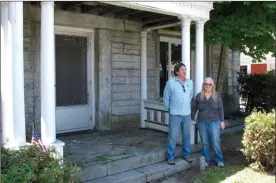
(72, 66)
(266, 65)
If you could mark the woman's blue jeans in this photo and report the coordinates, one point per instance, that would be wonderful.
(184, 123)
(210, 136)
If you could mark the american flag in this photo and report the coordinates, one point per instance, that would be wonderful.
(36, 140)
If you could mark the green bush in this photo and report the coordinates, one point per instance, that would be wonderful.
(259, 89)
(32, 165)
(259, 139)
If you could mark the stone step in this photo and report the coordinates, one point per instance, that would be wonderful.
(145, 174)
(130, 176)
(162, 169)
(123, 165)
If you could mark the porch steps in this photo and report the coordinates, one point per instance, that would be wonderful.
(145, 174)
(132, 167)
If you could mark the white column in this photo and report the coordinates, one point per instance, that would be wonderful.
(143, 78)
(16, 20)
(6, 78)
(199, 69)
(192, 65)
(169, 60)
(48, 97)
(185, 39)
(194, 71)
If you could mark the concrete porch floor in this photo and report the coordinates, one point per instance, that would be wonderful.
(92, 148)
(125, 156)
(121, 156)
(98, 148)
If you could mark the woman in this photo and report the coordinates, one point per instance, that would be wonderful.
(210, 119)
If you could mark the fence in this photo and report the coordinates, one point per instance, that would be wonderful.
(158, 119)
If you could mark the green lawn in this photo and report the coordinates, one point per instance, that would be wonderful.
(234, 174)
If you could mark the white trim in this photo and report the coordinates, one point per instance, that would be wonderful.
(143, 77)
(71, 130)
(199, 10)
(91, 81)
(170, 39)
(90, 34)
(169, 60)
(161, 26)
(71, 107)
(60, 29)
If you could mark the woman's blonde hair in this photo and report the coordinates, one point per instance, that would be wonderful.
(214, 93)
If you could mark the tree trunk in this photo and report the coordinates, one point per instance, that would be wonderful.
(222, 59)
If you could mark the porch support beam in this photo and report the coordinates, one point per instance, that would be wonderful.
(185, 39)
(143, 78)
(160, 19)
(72, 5)
(12, 75)
(16, 21)
(161, 26)
(199, 64)
(169, 60)
(6, 78)
(48, 99)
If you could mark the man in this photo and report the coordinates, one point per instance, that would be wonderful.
(177, 98)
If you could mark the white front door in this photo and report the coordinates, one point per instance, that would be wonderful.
(73, 83)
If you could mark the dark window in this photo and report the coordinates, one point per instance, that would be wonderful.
(71, 70)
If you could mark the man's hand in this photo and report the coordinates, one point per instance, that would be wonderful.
(222, 125)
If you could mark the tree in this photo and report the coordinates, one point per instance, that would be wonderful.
(248, 27)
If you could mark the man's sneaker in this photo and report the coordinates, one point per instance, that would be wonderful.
(187, 159)
(220, 164)
(171, 162)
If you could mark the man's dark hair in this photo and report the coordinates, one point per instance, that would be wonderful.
(177, 67)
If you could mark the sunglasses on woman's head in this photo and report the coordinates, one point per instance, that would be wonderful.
(207, 84)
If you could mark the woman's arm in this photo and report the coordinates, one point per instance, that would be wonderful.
(221, 111)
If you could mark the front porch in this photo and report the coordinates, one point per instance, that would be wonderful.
(136, 155)
(116, 73)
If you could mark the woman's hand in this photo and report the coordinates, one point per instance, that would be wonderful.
(222, 125)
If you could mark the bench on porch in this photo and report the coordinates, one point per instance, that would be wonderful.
(157, 118)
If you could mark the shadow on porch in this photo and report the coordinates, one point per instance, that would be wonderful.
(126, 156)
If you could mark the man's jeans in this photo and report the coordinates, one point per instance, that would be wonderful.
(210, 136)
(175, 123)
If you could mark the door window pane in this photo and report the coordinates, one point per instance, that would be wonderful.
(176, 53)
(71, 70)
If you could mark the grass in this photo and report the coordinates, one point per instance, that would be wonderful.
(101, 159)
(234, 174)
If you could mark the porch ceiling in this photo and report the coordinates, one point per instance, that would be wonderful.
(148, 19)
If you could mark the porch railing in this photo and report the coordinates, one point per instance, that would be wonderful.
(158, 119)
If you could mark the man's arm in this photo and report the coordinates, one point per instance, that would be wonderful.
(167, 95)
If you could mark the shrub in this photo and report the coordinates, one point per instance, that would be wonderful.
(32, 165)
(259, 139)
(259, 89)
